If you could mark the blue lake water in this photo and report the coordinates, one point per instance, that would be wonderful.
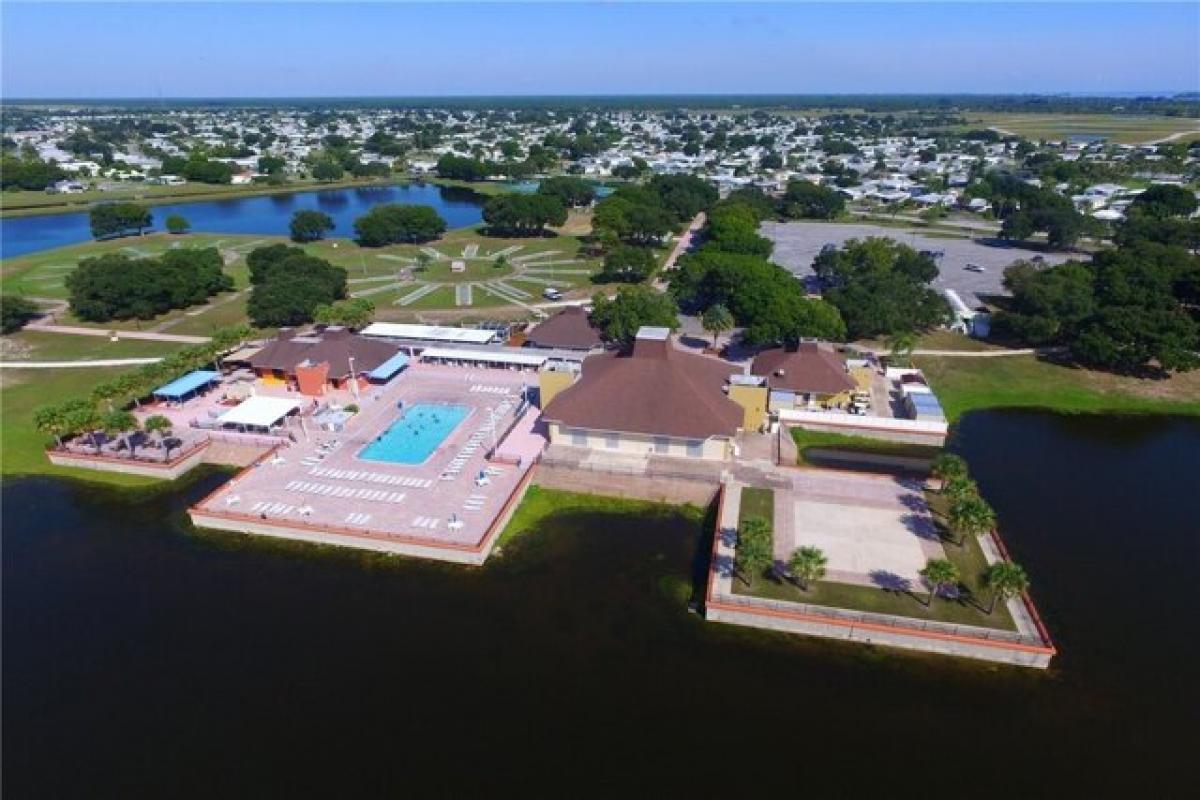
(413, 437)
(268, 215)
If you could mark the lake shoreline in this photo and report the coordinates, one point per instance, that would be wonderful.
(252, 190)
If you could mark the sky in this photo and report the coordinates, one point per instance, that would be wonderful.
(167, 49)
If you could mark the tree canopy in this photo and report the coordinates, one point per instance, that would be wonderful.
(572, 191)
(619, 318)
(1132, 309)
(627, 264)
(119, 219)
(807, 200)
(393, 223)
(15, 311)
(517, 214)
(115, 286)
(880, 287)
(310, 226)
(763, 297)
(289, 286)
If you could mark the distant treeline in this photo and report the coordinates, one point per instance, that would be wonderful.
(1184, 104)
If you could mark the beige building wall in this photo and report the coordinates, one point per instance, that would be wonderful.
(715, 448)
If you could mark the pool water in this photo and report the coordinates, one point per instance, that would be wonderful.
(418, 432)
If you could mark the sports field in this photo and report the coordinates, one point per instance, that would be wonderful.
(1116, 128)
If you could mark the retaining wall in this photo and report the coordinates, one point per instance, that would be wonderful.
(169, 471)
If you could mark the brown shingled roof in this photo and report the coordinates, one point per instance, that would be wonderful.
(810, 368)
(657, 390)
(569, 329)
(334, 345)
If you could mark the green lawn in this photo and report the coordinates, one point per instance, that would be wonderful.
(965, 384)
(806, 440)
(22, 448)
(1118, 128)
(910, 603)
(35, 346)
(757, 502)
(540, 503)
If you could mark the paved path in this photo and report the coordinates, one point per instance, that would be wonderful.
(100, 362)
(1024, 351)
(963, 224)
(145, 335)
(195, 312)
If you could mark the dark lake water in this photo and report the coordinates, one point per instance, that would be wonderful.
(268, 215)
(142, 658)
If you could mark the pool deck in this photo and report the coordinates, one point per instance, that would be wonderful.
(318, 489)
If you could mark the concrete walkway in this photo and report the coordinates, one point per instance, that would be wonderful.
(100, 362)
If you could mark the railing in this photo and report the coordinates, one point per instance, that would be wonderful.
(112, 458)
(876, 620)
(1026, 599)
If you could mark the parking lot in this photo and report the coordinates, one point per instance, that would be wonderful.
(798, 243)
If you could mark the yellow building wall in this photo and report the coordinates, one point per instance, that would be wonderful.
(753, 400)
(551, 382)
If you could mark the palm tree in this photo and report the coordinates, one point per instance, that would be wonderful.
(51, 419)
(120, 423)
(754, 548)
(1006, 580)
(939, 574)
(901, 344)
(947, 466)
(971, 516)
(81, 417)
(807, 564)
(959, 487)
(161, 426)
(716, 320)
(106, 392)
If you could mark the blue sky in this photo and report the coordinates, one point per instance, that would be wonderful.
(274, 49)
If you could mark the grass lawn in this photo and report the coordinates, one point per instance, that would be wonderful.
(35, 346)
(757, 502)
(22, 448)
(540, 503)
(1118, 128)
(965, 384)
(43, 274)
(806, 440)
(971, 565)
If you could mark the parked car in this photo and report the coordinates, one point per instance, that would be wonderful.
(550, 293)
(975, 268)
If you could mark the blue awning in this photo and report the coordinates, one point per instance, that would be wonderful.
(387, 369)
(189, 383)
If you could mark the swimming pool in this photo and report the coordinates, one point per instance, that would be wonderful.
(413, 437)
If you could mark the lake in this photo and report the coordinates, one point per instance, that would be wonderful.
(142, 658)
(266, 215)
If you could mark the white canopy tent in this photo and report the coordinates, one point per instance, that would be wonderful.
(259, 411)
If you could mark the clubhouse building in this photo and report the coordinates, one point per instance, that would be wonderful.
(655, 400)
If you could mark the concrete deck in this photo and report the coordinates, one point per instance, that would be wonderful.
(320, 483)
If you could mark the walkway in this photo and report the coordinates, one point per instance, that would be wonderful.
(100, 362)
